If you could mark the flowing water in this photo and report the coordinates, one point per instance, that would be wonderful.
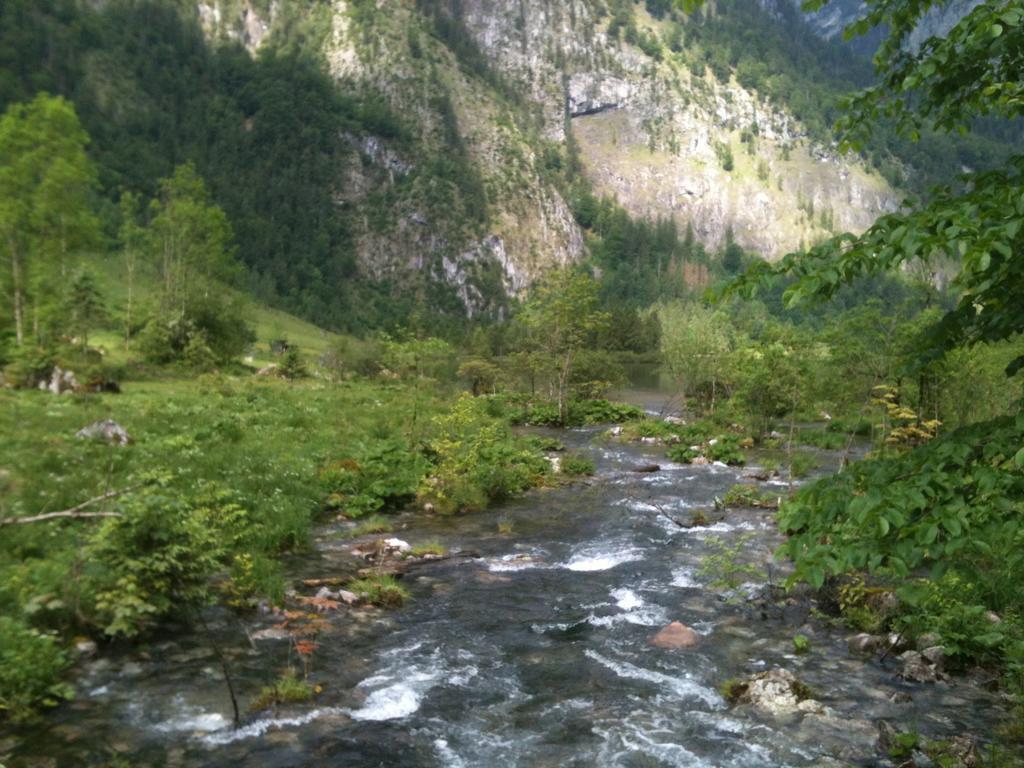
(534, 653)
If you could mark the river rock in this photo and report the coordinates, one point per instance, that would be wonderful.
(928, 640)
(107, 430)
(963, 749)
(864, 644)
(917, 669)
(271, 633)
(85, 648)
(777, 692)
(936, 656)
(676, 635)
(59, 381)
(673, 420)
(647, 468)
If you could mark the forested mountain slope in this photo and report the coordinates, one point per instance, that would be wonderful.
(382, 158)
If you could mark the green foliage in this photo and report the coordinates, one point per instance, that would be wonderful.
(293, 366)
(802, 463)
(31, 663)
(544, 413)
(373, 524)
(724, 153)
(957, 607)
(560, 317)
(724, 448)
(748, 495)
(381, 475)
(46, 208)
(772, 380)
(153, 562)
(801, 644)
(829, 439)
(428, 548)
(697, 345)
(574, 465)
(477, 460)
(382, 591)
(480, 375)
(287, 689)
(732, 690)
(951, 503)
(724, 565)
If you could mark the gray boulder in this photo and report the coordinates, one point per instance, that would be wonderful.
(59, 381)
(107, 430)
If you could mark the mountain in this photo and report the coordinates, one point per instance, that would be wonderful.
(653, 128)
(382, 157)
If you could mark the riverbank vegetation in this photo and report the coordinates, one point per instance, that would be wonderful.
(168, 440)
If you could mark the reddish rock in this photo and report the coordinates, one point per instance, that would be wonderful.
(676, 635)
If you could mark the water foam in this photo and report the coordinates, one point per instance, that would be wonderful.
(684, 577)
(260, 727)
(389, 703)
(626, 599)
(589, 560)
(680, 687)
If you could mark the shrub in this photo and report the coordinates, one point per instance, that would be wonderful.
(574, 465)
(822, 438)
(31, 664)
(746, 495)
(477, 460)
(287, 689)
(154, 561)
(29, 365)
(382, 591)
(725, 448)
(373, 524)
(801, 464)
(293, 366)
(379, 476)
(428, 548)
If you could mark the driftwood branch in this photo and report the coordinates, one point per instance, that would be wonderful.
(76, 512)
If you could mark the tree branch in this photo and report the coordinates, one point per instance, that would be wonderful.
(76, 512)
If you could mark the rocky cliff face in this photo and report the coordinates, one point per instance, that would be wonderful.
(663, 140)
(654, 135)
(830, 21)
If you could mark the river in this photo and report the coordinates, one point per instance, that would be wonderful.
(535, 653)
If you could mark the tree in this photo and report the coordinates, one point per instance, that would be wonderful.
(84, 306)
(192, 238)
(732, 256)
(293, 366)
(696, 347)
(46, 185)
(561, 317)
(132, 237)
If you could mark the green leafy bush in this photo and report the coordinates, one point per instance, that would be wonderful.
(154, 561)
(576, 465)
(31, 664)
(379, 476)
(724, 448)
(580, 413)
(382, 591)
(477, 460)
(747, 495)
(287, 689)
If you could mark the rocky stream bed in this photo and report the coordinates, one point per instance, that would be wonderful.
(538, 647)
